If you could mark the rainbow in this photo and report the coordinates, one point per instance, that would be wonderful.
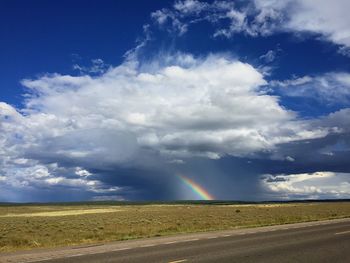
(196, 188)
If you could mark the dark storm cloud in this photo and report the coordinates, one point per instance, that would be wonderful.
(323, 154)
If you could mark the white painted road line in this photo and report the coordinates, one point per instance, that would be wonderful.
(170, 242)
(178, 261)
(189, 240)
(150, 245)
(342, 233)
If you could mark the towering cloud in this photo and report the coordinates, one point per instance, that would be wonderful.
(131, 116)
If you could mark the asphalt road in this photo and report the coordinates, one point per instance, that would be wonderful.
(310, 242)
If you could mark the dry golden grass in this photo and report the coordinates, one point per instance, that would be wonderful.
(25, 227)
(63, 213)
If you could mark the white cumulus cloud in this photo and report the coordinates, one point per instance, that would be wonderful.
(211, 108)
(308, 185)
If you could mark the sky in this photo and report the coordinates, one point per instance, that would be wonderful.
(174, 100)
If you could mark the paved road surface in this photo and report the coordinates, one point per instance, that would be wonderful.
(327, 241)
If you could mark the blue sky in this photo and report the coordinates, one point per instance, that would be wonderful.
(114, 99)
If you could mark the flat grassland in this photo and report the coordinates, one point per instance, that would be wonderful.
(34, 226)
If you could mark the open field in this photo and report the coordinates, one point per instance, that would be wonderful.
(33, 226)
